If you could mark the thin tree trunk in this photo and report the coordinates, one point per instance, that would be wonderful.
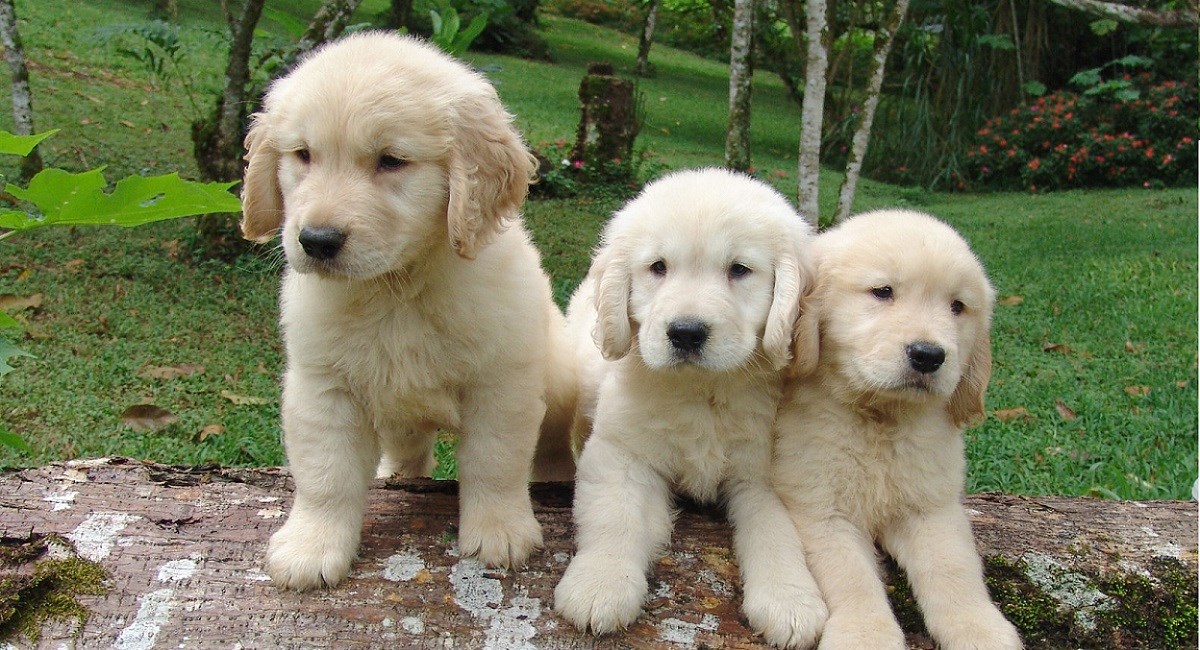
(741, 72)
(812, 111)
(862, 135)
(14, 53)
(642, 67)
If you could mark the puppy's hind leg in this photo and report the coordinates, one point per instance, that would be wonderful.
(407, 454)
(331, 456)
(938, 553)
(499, 433)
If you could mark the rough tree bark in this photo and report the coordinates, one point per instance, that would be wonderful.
(22, 98)
(327, 24)
(741, 73)
(608, 120)
(884, 37)
(181, 549)
(812, 111)
(642, 67)
(1185, 16)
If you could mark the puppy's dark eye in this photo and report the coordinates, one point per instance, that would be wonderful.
(882, 293)
(303, 155)
(391, 163)
(738, 270)
(957, 307)
(659, 268)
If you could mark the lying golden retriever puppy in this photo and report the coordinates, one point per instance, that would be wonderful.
(870, 445)
(691, 301)
(413, 297)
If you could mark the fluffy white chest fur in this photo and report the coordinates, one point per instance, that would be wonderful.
(715, 422)
(407, 352)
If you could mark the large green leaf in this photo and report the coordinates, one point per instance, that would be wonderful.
(8, 351)
(10, 439)
(21, 145)
(68, 199)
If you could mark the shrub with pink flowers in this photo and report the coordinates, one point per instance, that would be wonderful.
(1067, 140)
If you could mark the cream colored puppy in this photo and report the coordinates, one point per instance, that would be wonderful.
(413, 298)
(683, 326)
(870, 446)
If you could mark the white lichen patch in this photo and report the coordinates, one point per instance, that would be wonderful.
(60, 501)
(178, 570)
(270, 513)
(403, 567)
(95, 536)
(153, 613)
(679, 632)
(412, 625)
(483, 597)
(1067, 587)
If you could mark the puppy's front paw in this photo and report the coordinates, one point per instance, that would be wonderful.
(982, 629)
(603, 594)
(500, 539)
(788, 616)
(302, 556)
(855, 632)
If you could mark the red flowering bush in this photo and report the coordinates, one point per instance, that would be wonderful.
(1067, 140)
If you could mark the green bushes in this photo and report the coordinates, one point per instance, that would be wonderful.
(1069, 140)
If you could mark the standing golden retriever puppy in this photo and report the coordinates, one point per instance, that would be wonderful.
(413, 298)
(683, 326)
(870, 445)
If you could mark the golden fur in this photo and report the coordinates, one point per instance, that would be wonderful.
(429, 311)
(724, 258)
(870, 446)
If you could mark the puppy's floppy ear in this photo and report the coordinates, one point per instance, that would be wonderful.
(966, 402)
(791, 282)
(806, 337)
(262, 202)
(614, 331)
(490, 171)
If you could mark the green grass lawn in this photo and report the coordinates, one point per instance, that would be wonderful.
(1094, 387)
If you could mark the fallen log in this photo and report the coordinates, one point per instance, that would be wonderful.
(124, 554)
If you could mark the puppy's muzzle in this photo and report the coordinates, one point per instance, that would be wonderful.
(687, 336)
(925, 357)
(322, 243)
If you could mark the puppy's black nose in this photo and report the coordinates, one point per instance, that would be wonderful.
(322, 243)
(687, 335)
(925, 357)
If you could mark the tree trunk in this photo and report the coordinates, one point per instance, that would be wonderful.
(643, 68)
(1186, 16)
(741, 72)
(884, 37)
(217, 141)
(22, 101)
(156, 556)
(400, 14)
(812, 111)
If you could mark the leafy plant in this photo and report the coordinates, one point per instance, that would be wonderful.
(157, 46)
(56, 197)
(448, 32)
